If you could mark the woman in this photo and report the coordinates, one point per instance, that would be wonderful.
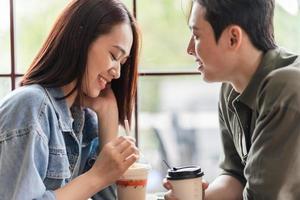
(48, 136)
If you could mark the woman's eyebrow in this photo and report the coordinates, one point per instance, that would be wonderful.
(120, 48)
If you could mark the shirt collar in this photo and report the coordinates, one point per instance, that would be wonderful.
(271, 60)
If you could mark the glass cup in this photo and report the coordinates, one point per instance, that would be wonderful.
(132, 185)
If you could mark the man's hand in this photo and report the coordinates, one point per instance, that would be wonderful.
(168, 186)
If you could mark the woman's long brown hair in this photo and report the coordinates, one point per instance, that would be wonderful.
(63, 57)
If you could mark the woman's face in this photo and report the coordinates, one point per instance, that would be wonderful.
(105, 58)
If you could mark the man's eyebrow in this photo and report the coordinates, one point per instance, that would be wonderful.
(120, 48)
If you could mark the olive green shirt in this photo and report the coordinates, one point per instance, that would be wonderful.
(260, 129)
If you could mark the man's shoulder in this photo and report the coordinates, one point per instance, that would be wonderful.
(285, 78)
(281, 87)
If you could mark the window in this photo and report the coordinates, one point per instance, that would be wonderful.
(177, 111)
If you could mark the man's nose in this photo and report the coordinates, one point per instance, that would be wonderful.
(191, 47)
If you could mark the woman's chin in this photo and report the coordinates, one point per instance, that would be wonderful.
(94, 94)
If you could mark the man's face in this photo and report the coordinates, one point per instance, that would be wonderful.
(209, 55)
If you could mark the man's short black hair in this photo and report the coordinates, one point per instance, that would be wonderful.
(255, 17)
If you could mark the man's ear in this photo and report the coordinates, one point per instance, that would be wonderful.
(235, 36)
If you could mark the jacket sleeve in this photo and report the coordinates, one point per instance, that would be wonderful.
(23, 165)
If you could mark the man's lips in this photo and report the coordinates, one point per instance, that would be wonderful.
(200, 64)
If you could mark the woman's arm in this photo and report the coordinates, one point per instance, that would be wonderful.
(117, 153)
(106, 109)
(114, 159)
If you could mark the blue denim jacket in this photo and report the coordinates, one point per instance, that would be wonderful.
(42, 144)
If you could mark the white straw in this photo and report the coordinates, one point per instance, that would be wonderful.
(127, 129)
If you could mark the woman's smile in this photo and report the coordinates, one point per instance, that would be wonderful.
(101, 82)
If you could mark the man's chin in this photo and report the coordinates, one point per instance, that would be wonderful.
(208, 79)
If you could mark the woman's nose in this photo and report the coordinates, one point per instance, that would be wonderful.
(115, 72)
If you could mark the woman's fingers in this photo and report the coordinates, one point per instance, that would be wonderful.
(132, 149)
(126, 147)
(125, 150)
(120, 139)
(130, 160)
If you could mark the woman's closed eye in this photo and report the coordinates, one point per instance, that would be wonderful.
(124, 60)
(113, 57)
(117, 58)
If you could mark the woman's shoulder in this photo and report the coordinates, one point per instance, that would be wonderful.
(25, 91)
(22, 107)
(24, 97)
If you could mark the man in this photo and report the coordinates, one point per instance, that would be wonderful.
(259, 107)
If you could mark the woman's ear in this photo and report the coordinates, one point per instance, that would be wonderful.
(235, 36)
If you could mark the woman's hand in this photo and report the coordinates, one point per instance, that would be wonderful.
(106, 108)
(168, 186)
(105, 103)
(115, 158)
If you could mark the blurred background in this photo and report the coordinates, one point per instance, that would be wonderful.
(177, 114)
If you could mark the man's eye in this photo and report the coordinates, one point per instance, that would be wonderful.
(196, 37)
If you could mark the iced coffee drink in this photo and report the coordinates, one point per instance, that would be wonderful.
(132, 185)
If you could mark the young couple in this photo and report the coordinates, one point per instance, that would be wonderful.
(59, 130)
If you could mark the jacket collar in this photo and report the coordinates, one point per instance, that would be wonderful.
(61, 108)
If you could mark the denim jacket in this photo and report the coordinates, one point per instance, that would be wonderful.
(42, 144)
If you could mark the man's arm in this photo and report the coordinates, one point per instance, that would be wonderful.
(224, 187)
(272, 169)
(230, 184)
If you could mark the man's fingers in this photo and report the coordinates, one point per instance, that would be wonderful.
(168, 196)
(167, 184)
(205, 184)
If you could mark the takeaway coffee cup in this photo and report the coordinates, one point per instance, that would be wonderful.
(132, 185)
(186, 182)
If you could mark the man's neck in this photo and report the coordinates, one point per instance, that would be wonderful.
(248, 63)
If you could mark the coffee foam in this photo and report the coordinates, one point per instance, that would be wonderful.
(136, 171)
